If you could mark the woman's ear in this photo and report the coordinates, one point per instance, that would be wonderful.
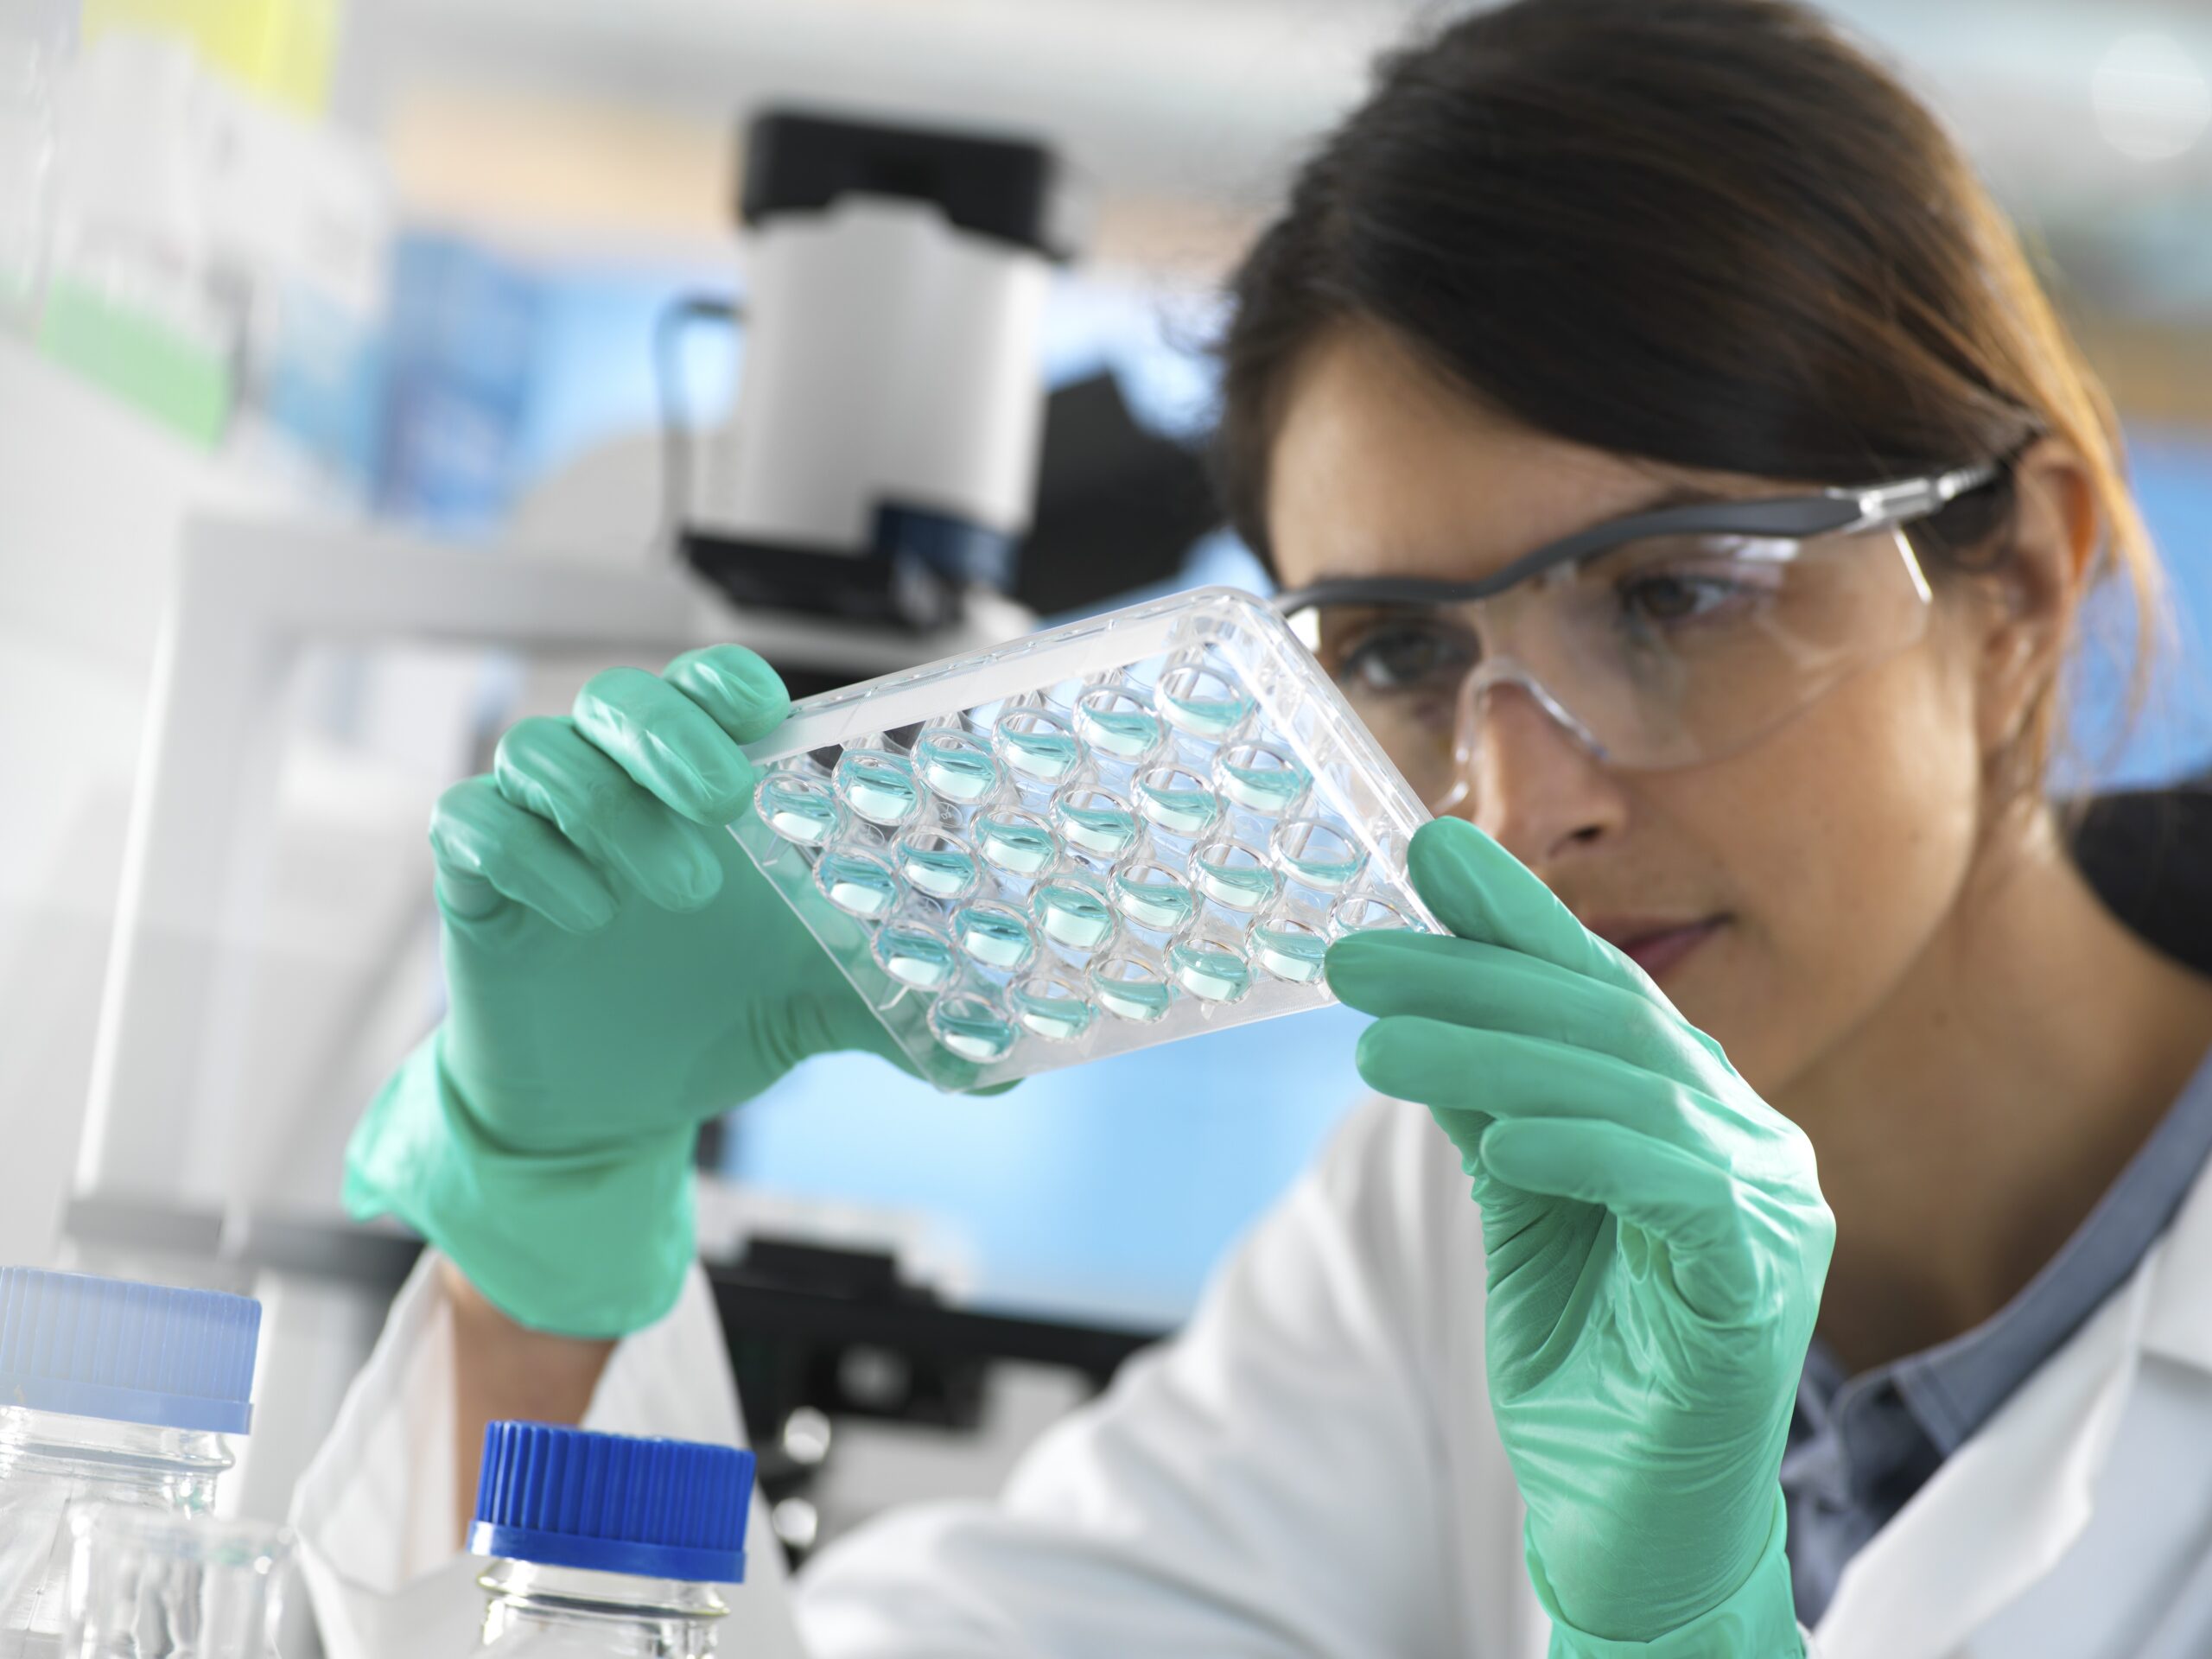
(2035, 590)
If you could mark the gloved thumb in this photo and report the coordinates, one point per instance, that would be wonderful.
(1480, 891)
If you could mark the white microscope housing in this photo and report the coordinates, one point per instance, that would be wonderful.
(890, 405)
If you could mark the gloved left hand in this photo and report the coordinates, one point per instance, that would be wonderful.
(1656, 1245)
(619, 972)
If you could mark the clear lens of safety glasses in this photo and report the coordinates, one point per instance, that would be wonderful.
(1655, 653)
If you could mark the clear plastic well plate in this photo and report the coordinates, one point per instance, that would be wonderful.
(1133, 829)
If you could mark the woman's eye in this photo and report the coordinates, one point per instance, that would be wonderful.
(1399, 659)
(1671, 598)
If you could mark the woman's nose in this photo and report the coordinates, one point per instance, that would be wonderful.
(1527, 781)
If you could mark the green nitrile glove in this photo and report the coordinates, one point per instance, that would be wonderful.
(1655, 1243)
(618, 972)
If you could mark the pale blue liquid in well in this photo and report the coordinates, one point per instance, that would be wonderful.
(1074, 915)
(1109, 831)
(918, 956)
(995, 938)
(879, 787)
(1178, 809)
(797, 809)
(859, 886)
(1040, 753)
(1290, 954)
(957, 770)
(1023, 849)
(1210, 972)
(1057, 1017)
(1125, 733)
(1319, 857)
(941, 872)
(1209, 713)
(972, 1029)
(1266, 790)
(1160, 903)
(1140, 1000)
(1232, 882)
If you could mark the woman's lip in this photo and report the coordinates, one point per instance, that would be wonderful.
(1656, 947)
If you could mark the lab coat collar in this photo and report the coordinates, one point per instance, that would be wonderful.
(2179, 1324)
(2003, 1509)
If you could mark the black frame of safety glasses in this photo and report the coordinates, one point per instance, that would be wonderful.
(1842, 511)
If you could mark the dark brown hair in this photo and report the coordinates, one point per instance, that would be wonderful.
(1711, 233)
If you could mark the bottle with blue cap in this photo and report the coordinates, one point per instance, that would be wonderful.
(604, 1544)
(111, 1392)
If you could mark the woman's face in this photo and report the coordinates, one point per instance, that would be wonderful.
(1778, 895)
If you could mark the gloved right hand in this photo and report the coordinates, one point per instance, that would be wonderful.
(1656, 1244)
(618, 972)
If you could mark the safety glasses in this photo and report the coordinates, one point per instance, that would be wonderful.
(1662, 639)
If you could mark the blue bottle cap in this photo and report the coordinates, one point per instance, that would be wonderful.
(132, 1353)
(651, 1509)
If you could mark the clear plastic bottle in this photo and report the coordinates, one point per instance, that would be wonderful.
(117, 1393)
(147, 1584)
(605, 1545)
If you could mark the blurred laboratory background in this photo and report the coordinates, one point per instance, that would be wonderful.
(371, 373)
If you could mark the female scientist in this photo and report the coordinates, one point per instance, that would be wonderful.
(1668, 450)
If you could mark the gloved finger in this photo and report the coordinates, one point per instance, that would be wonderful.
(811, 1024)
(1466, 1135)
(740, 692)
(1454, 1069)
(1693, 1208)
(488, 849)
(545, 766)
(667, 742)
(1470, 982)
(1480, 891)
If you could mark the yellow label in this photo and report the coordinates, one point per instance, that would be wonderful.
(281, 48)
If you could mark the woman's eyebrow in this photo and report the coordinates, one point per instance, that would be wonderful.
(1675, 495)
(1685, 494)
(1679, 493)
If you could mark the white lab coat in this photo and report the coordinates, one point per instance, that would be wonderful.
(1311, 1469)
